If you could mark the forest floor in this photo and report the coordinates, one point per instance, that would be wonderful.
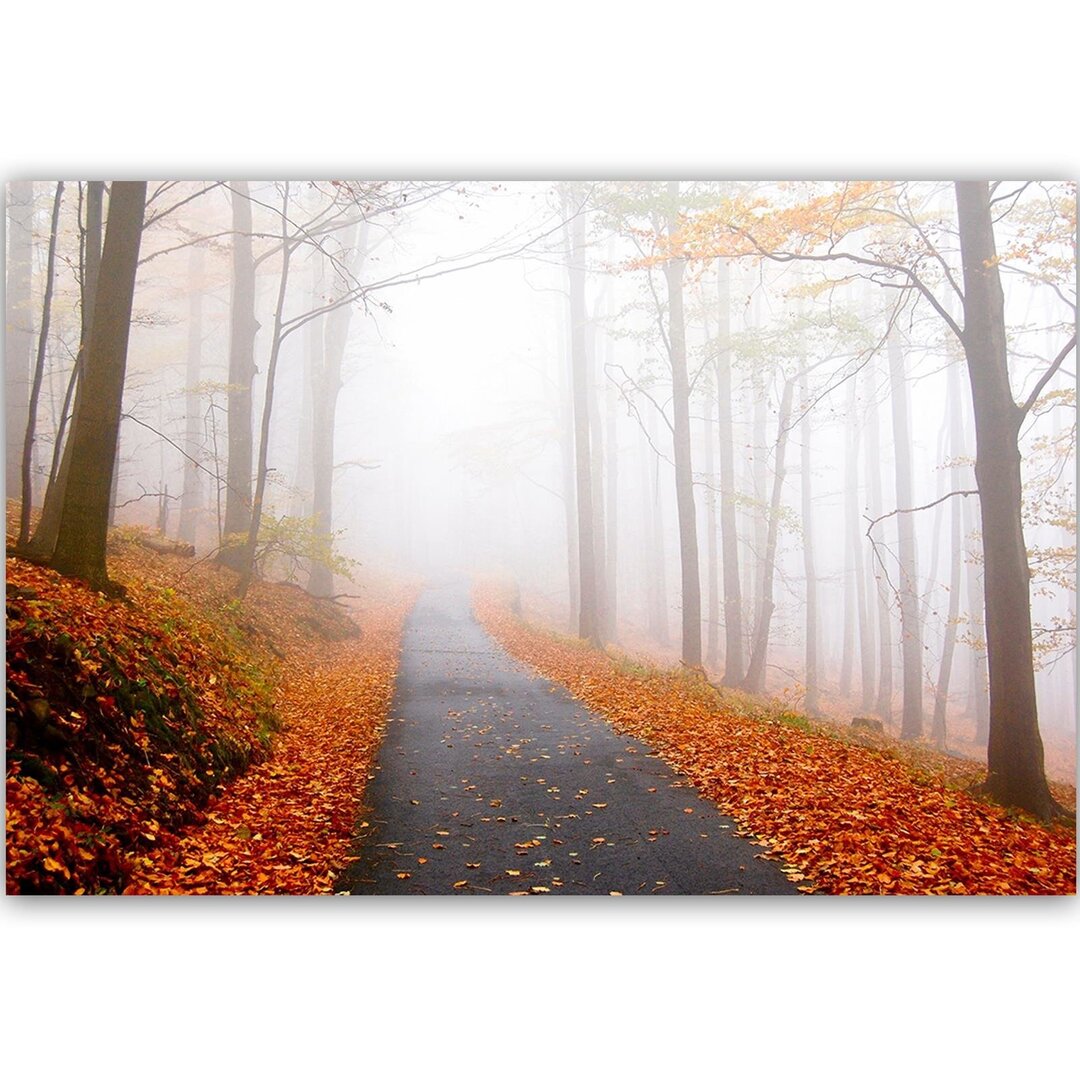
(178, 741)
(852, 812)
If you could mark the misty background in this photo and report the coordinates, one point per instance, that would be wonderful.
(453, 442)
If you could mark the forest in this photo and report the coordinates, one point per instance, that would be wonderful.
(541, 537)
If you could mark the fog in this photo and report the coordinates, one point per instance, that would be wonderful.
(454, 450)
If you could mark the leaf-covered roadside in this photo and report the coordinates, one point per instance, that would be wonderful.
(287, 825)
(851, 818)
(125, 718)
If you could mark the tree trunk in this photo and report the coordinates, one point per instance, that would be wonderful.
(978, 676)
(247, 552)
(242, 331)
(938, 728)
(95, 429)
(191, 496)
(39, 370)
(611, 454)
(656, 575)
(712, 555)
(19, 328)
(883, 701)
(566, 450)
(1015, 770)
(303, 476)
(811, 705)
(729, 537)
(940, 510)
(855, 540)
(325, 397)
(684, 477)
(911, 726)
(755, 672)
(596, 444)
(588, 597)
(43, 542)
(851, 532)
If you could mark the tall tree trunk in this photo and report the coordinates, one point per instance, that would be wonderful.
(851, 546)
(248, 552)
(883, 700)
(939, 519)
(596, 444)
(43, 541)
(755, 672)
(812, 705)
(19, 324)
(938, 729)
(242, 330)
(911, 650)
(978, 675)
(589, 601)
(684, 476)
(303, 476)
(712, 555)
(855, 541)
(95, 429)
(325, 398)
(39, 370)
(653, 492)
(729, 537)
(1015, 769)
(566, 451)
(611, 454)
(190, 498)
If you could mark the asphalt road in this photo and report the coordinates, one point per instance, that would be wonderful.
(493, 780)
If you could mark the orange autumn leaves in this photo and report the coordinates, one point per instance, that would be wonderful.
(287, 825)
(798, 222)
(123, 718)
(851, 818)
(129, 721)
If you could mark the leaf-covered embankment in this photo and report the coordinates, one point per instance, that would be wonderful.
(127, 719)
(853, 818)
(288, 824)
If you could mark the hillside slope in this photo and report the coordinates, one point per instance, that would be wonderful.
(127, 719)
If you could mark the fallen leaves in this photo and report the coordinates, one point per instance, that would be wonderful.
(846, 818)
(131, 722)
(333, 704)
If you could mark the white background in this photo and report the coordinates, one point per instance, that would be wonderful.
(299, 987)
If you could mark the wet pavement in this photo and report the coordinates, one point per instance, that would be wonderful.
(491, 780)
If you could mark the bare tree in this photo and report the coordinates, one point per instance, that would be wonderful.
(84, 518)
(43, 542)
(19, 330)
(39, 370)
(911, 650)
(588, 591)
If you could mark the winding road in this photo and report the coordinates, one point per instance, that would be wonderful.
(491, 779)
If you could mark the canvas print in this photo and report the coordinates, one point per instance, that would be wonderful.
(540, 538)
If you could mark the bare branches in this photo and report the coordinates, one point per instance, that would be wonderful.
(1047, 375)
(153, 218)
(914, 281)
(914, 509)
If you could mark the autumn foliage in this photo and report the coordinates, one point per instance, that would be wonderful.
(853, 815)
(289, 823)
(129, 720)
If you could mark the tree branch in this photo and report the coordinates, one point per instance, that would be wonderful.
(1047, 375)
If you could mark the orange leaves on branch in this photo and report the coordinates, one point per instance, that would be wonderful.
(790, 220)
